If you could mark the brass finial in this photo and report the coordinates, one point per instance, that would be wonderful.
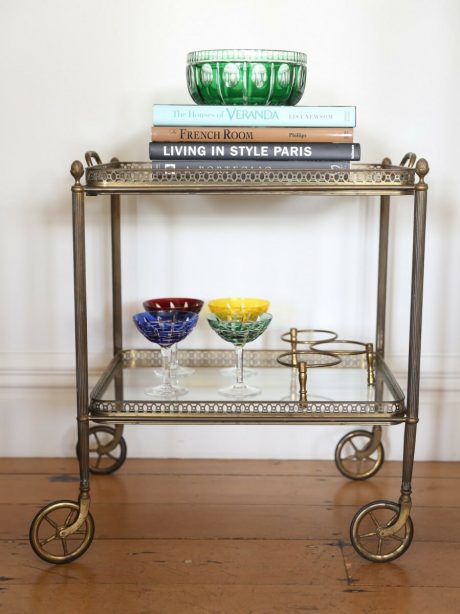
(77, 170)
(386, 162)
(114, 160)
(422, 169)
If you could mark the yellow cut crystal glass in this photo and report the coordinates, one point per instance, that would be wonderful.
(242, 309)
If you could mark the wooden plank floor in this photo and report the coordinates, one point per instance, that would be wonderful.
(239, 537)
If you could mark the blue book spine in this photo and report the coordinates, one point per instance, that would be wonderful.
(239, 115)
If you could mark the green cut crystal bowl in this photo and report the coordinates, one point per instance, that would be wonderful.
(246, 76)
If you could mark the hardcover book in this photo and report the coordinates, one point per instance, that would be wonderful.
(228, 165)
(251, 151)
(241, 115)
(244, 134)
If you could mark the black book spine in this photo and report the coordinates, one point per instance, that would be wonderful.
(229, 165)
(257, 152)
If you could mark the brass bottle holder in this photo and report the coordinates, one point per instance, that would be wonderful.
(307, 359)
(292, 337)
(302, 359)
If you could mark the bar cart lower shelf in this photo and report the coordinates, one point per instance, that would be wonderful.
(358, 391)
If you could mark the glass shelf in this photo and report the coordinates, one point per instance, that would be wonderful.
(338, 394)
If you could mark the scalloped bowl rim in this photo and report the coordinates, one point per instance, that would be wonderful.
(246, 55)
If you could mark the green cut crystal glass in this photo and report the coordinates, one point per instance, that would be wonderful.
(239, 333)
(246, 76)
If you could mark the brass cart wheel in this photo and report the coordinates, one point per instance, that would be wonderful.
(44, 533)
(351, 458)
(365, 537)
(103, 459)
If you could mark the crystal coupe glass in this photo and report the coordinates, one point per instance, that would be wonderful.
(165, 328)
(239, 333)
(180, 304)
(238, 308)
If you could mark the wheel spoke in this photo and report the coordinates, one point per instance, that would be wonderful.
(67, 520)
(397, 538)
(51, 522)
(96, 437)
(379, 547)
(355, 447)
(370, 534)
(374, 519)
(43, 542)
(98, 461)
(111, 456)
(391, 521)
(64, 546)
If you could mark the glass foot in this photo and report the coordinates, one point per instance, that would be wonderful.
(176, 371)
(231, 372)
(165, 391)
(239, 391)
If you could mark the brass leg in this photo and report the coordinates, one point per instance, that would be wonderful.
(116, 273)
(382, 274)
(382, 530)
(415, 327)
(62, 531)
(81, 338)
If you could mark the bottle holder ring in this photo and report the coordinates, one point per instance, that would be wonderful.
(310, 358)
(347, 347)
(309, 336)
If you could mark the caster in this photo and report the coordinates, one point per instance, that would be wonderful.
(104, 457)
(44, 534)
(365, 532)
(351, 458)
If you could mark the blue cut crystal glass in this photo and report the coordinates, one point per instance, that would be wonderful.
(178, 304)
(165, 328)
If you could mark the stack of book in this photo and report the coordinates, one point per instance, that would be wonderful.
(252, 137)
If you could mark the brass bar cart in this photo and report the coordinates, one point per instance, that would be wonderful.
(359, 389)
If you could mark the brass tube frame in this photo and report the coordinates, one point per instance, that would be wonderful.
(415, 325)
(117, 326)
(120, 418)
(81, 335)
(382, 274)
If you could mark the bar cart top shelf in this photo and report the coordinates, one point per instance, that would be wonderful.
(139, 177)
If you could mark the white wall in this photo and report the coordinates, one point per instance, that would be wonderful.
(80, 76)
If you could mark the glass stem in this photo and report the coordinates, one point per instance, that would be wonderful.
(239, 364)
(174, 362)
(166, 358)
